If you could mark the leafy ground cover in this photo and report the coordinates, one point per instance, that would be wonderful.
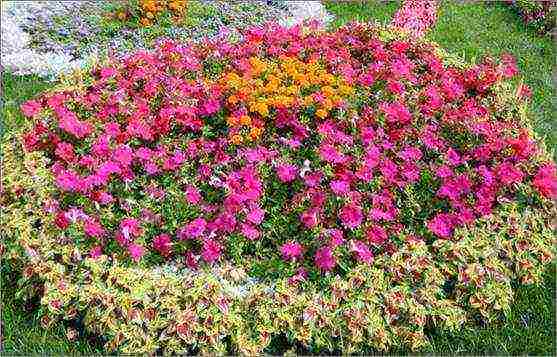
(521, 316)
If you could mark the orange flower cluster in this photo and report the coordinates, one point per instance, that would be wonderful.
(266, 86)
(147, 11)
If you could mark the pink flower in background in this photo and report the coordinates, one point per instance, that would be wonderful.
(287, 172)
(192, 195)
(67, 180)
(336, 237)
(312, 179)
(310, 217)
(250, 232)
(123, 155)
(362, 251)
(340, 187)
(324, 258)
(194, 229)
(351, 215)
(377, 235)
(416, 16)
(95, 252)
(211, 251)
(291, 251)
(210, 107)
(93, 228)
(301, 275)
(330, 154)
(31, 108)
(136, 251)
(509, 174)
(546, 180)
(441, 225)
(256, 215)
(162, 244)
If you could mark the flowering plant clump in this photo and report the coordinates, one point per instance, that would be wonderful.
(416, 16)
(538, 14)
(146, 12)
(368, 182)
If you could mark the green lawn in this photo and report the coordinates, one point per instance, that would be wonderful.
(467, 29)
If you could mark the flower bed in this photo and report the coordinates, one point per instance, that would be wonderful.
(343, 190)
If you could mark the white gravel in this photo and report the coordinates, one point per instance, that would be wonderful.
(305, 11)
(17, 56)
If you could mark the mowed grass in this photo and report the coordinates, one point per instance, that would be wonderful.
(381, 11)
(470, 30)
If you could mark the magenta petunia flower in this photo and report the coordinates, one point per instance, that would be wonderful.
(441, 225)
(162, 244)
(324, 258)
(287, 172)
(95, 252)
(291, 251)
(336, 237)
(377, 235)
(31, 108)
(256, 215)
(93, 228)
(310, 217)
(211, 251)
(136, 251)
(509, 174)
(340, 187)
(194, 229)
(362, 251)
(351, 215)
(545, 180)
(250, 232)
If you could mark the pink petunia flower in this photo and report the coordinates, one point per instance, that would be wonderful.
(340, 187)
(351, 215)
(250, 232)
(256, 215)
(211, 251)
(287, 172)
(136, 251)
(362, 251)
(291, 251)
(509, 174)
(441, 225)
(310, 217)
(95, 252)
(162, 244)
(194, 229)
(545, 180)
(93, 228)
(324, 258)
(31, 108)
(377, 235)
(336, 237)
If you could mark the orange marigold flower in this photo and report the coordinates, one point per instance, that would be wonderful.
(245, 120)
(232, 121)
(321, 113)
(255, 133)
(232, 99)
(236, 139)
